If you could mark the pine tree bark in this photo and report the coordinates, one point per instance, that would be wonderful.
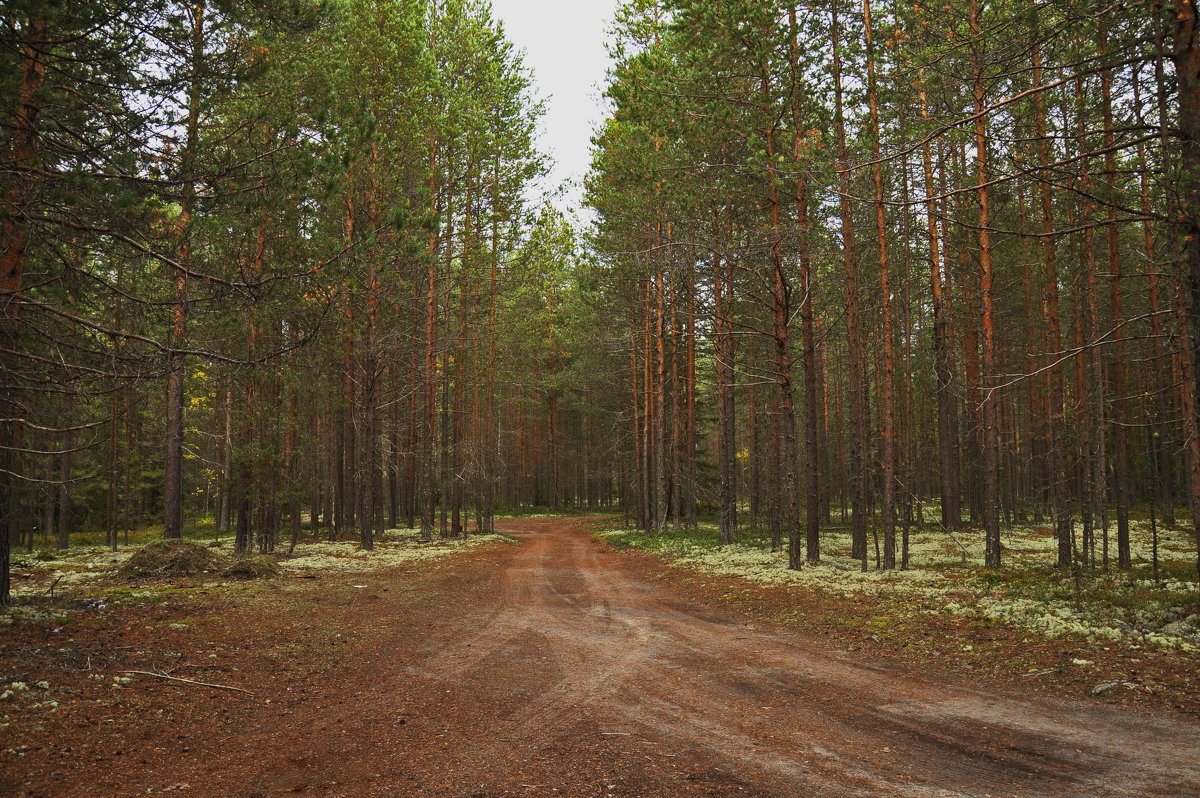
(648, 422)
(64, 492)
(1096, 484)
(371, 454)
(173, 471)
(947, 402)
(856, 360)
(1120, 377)
(677, 415)
(660, 403)
(785, 501)
(428, 426)
(636, 428)
(991, 433)
(690, 498)
(1056, 439)
(14, 244)
(812, 434)
(1186, 57)
(1163, 465)
(726, 418)
(887, 406)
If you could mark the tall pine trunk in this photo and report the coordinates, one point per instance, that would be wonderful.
(1056, 437)
(947, 402)
(14, 244)
(991, 432)
(886, 401)
(173, 470)
(1186, 56)
(726, 419)
(856, 360)
(812, 432)
(1120, 378)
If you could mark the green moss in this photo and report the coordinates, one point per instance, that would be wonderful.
(395, 548)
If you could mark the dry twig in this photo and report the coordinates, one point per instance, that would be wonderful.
(191, 681)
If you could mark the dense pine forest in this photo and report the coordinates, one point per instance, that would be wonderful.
(824, 424)
(266, 264)
(283, 269)
(884, 263)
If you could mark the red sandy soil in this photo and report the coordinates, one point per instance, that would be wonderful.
(556, 667)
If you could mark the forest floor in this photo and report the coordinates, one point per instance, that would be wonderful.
(560, 666)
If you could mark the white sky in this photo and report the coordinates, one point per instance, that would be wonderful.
(563, 42)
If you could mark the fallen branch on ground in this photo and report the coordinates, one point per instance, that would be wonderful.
(191, 681)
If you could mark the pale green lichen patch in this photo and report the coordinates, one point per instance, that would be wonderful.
(396, 548)
(945, 577)
(66, 579)
(35, 574)
(22, 697)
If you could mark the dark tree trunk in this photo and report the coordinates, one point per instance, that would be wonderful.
(812, 435)
(856, 361)
(428, 426)
(1120, 378)
(173, 471)
(1186, 56)
(64, 493)
(726, 436)
(1056, 437)
(943, 354)
(14, 243)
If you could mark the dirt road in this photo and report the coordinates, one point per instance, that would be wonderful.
(564, 673)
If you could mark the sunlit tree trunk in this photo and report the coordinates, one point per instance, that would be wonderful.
(991, 433)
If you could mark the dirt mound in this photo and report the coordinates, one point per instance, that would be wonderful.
(253, 568)
(168, 558)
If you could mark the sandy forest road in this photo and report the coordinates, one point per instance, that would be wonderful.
(552, 668)
(580, 676)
